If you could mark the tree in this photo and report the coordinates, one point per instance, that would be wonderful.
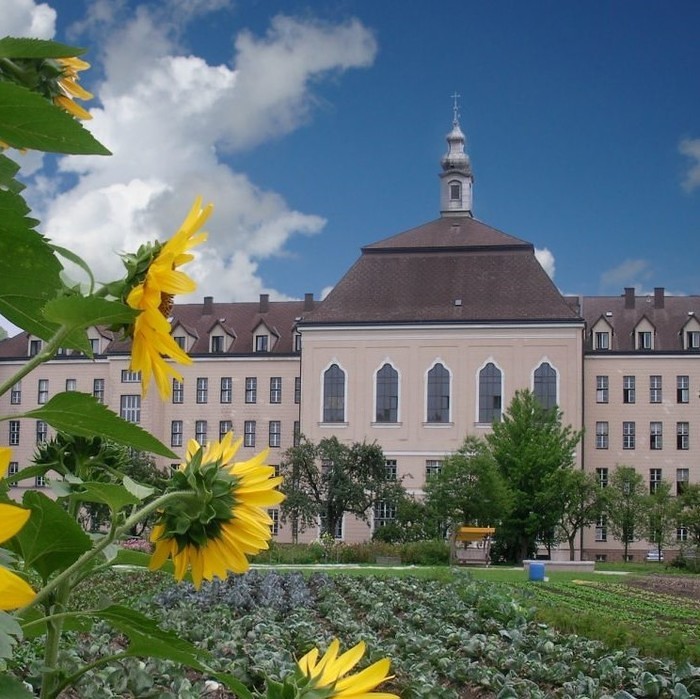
(689, 516)
(579, 499)
(529, 446)
(662, 515)
(469, 488)
(624, 505)
(324, 481)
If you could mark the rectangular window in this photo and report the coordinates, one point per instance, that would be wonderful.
(200, 431)
(34, 347)
(692, 340)
(655, 389)
(14, 433)
(682, 534)
(654, 479)
(130, 376)
(226, 394)
(274, 515)
(601, 435)
(179, 341)
(384, 513)
(42, 431)
(682, 435)
(130, 408)
(682, 480)
(249, 433)
(656, 435)
(602, 476)
(628, 389)
(98, 390)
(176, 433)
(261, 343)
(225, 426)
(276, 389)
(682, 389)
(42, 391)
(432, 467)
(601, 385)
(202, 389)
(178, 391)
(71, 385)
(628, 435)
(391, 469)
(217, 344)
(40, 482)
(297, 433)
(94, 345)
(601, 529)
(297, 342)
(251, 389)
(644, 340)
(297, 389)
(13, 468)
(602, 341)
(275, 433)
(16, 394)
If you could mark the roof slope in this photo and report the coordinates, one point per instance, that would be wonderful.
(454, 269)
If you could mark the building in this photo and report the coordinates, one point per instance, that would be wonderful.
(423, 341)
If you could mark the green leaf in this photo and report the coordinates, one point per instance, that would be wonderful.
(10, 688)
(13, 47)
(81, 415)
(10, 633)
(28, 120)
(131, 558)
(113, 495)
(141, 492)
(8, 169)
(84, 311)
(51, 540)
(34, 623)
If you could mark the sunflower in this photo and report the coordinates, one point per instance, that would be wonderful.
(69, 88)
(14, 591)
(153, 296)
(222, 516)
(327, 673)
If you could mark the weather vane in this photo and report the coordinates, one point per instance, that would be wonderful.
(455, 106)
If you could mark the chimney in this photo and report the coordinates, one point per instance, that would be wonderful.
(264, 303)
(308, 302)
(629, 297)
(208, 307)
(658, 297)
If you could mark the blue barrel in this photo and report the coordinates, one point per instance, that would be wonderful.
(536, 572)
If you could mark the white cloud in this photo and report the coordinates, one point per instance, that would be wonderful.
(168, 117)
(546, 259)
(28, 18)
(629, 273)
(691, 148)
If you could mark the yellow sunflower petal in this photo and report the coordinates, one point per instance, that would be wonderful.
(14, 591)
(5, 455)
(12, 519)
(364, 681)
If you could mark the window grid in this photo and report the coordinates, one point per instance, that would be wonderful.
(42, 431)
(225, 426)
(655, 478)
(40, 482)
(200, 431)
(202, 389)
(682, 480)
(261, 343)
(297, 390)
(334, 394)
(546, 385)
(682, 435)
(384, 513)
(34, 347)
(692, 339)
(275, 389)
(602, 476)
(249, 433)
(226, 392)
(656, 435)
(601, 529)
(655, 393)
(130, 376)
(644, 340)
(432, 467)
(297, 433)
(176, 433)
(217, 344)
(602, 388)
(274, 515)
(387, 394)
(71, 385)
(251, 389)
(98, 390)
(601, 435)
(391, 469)
(42, 391)
(14, 433)
(275, 433)
(16, 394)
(178, 391)
(629, 392)
(628, 435)
(13, 468)
(130, 408)
(489, 394)
(682, 389)
(602, 340)
(438, 394)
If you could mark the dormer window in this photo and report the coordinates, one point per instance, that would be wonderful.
(180, 341)
(297, 342)
(692, 340)
(644, 340)
(217, 344)
(601, 341)
(261, 343)
(95, 345)
(455, 191)
(34, 347)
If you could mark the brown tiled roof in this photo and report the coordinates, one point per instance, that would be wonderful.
(453, 269)
(667, 314)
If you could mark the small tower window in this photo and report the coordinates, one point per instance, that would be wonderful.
(455, 191)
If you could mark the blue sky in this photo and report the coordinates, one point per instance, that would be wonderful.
(318, 127)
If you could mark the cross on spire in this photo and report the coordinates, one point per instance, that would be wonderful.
(455, 106)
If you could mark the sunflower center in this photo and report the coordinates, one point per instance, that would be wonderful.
(166, 304)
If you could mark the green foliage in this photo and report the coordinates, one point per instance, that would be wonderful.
(624, 505)
(425, 553)
(662, 516)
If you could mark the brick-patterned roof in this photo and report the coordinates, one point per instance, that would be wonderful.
(453, 269)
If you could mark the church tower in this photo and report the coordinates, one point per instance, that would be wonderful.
(456, 179)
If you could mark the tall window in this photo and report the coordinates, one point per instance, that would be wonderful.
(682, 389)
(34, 347)
(655, 388)
(682, 480)
(130, 408)
(628, 435)
(391, 469)
(628, 389)
(644, 340)
(438, 394)
(602, 476)
(490, 393)
(251, 389)
(682, 435)
(602, 341)
(455, 191)
(178, 391)
(546, 385)
(176, 433)
(601, 529)
(334, 394)
(656, 435)
(261, 343)
(297, 389)
(226, 394)
(601, 389)
(297, 433)
(274, 515)
(225, 426)
(601, 435)
(42, 391)
(217, 344)
(200, 431)
(13, 468)
(275, 389)
(387, 394)
(42, 431)
(98, 390)
(16, 394)
(202, 389)
(275, 433)
(249, 433)
(297, 342)
(95, 345)
(14, 433)
(655, 478)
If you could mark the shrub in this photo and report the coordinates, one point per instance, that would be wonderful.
(426, 553)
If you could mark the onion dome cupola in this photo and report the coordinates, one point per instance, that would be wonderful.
(456, 179)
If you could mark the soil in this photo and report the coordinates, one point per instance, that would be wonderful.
(687, 586)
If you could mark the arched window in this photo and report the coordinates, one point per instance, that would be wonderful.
(546, 385)
(455, 191)
(387, 394)
(334, 394)
(490, 393)
(438, 394)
